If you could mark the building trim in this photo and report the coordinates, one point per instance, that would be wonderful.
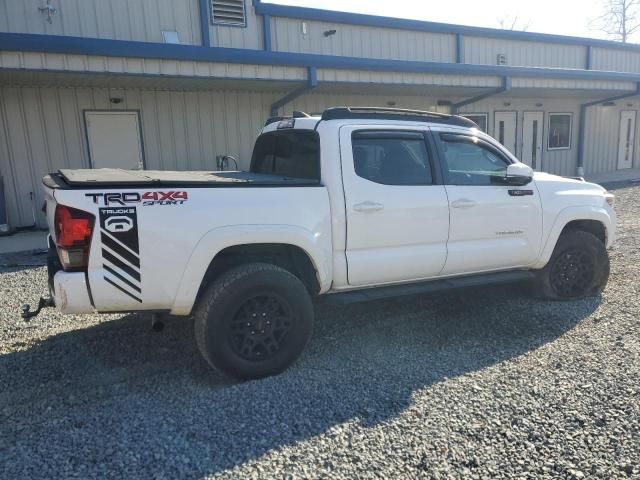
(204, 23)
(331, 16)
(291, 82)
(506, 86)
(312, 83)
(583, 120)
(123, 49)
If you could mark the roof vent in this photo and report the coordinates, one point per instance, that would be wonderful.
(229, 12)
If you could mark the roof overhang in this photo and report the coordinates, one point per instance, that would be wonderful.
(23, 42)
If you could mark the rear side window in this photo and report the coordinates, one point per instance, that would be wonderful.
(291, 153)
(392, 157)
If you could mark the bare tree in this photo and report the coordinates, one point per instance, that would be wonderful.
(512, 23)
(620, 19)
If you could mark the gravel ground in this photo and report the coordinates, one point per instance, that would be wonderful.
(474, 384)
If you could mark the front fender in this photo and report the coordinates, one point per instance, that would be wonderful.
(316, 245)
(605, 216)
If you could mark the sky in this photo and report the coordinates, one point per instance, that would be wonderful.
(562, 17)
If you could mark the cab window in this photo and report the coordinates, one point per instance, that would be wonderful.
(469, 161)
(392, 157)
(288, 153)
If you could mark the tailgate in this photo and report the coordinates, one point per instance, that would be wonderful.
(50, 208)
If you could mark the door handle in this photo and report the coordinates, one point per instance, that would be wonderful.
(463, 203)
(368, 207)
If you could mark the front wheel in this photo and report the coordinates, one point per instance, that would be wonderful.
(254, 321)
(578, 268)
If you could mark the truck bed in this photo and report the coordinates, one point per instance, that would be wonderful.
(69, 179)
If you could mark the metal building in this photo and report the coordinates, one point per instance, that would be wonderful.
(172, 84)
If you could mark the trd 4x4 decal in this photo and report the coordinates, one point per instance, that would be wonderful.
(164, 198)
(147, 199)
(121, 250)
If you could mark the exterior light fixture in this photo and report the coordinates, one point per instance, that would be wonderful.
(48, 10)
(328, 33)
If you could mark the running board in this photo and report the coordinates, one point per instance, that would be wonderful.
(431, 286)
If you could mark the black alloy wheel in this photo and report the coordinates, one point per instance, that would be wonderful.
(572, 273)
(260, 326)
(253, 321)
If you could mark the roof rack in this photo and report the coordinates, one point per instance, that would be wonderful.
(377, 113)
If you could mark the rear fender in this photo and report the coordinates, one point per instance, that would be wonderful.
(316, 246)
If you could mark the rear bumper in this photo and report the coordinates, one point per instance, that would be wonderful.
(69, 290)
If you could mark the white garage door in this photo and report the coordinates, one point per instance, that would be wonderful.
(114, 140)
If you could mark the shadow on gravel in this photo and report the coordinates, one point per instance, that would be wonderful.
(621, 184)
(17, 262)
(117, 399)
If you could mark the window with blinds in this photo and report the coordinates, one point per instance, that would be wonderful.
(229, 12)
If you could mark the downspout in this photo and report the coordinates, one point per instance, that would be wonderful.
(506, 86)
(266, 33)
(4, 222)
(312, 82)
(459, 48)
(205, 36)
(583, 119)
(266, 28)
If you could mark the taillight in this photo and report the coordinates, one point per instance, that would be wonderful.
(73, 229)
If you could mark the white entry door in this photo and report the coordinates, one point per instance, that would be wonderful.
(532, 139)
(505, 129)
(627, 139)
(114, 140)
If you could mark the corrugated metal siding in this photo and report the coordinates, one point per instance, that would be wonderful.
(315, 103)
(138, 20)
(484, 51)
(552, 83)
(239, 37)
(98, 64)
(602, 135)
(42, 129)
(616, 60)
(358, 41)
(399, 78)
(560, 162)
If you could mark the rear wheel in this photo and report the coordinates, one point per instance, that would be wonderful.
(578, 268)
(254, 321)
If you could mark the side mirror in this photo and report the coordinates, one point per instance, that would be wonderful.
(519, 174)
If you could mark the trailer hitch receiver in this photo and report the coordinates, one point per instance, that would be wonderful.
(42, 303)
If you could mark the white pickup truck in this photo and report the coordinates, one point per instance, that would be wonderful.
(356, 203)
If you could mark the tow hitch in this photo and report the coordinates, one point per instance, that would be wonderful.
(42, 303)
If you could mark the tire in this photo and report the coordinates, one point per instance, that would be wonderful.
(578, 268)
(253, 321)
